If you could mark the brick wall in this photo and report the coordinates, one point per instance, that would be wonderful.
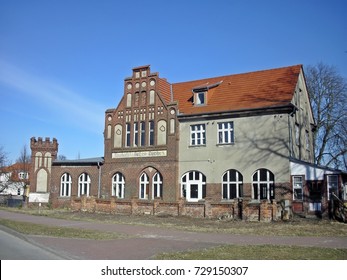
(75, 172)
(264, 211)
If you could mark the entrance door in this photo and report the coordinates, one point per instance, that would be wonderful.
(193, 186)
(315, 196)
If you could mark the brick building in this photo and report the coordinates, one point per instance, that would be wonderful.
(236, 145)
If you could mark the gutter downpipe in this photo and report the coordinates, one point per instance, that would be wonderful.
(99, 181)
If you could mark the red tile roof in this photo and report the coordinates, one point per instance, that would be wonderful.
(254, 90)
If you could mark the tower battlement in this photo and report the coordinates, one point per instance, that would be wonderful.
(39, 143)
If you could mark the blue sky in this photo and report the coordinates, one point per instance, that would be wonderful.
(63, 63)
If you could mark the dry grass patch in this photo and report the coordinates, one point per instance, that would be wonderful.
(36, 229)
(295, 227)
(258, 252)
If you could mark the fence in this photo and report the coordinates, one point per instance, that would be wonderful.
(237, 209)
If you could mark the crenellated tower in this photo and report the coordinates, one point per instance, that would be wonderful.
(43, 152)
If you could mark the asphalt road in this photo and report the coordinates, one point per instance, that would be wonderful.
(143, 242)
(15, 247)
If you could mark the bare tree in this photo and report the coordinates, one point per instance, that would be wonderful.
(62, 157)
(24, 157)
(24, 165)
(4, 175)
(3, 157)
(328, 94)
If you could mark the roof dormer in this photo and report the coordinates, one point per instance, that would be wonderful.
(200, 93)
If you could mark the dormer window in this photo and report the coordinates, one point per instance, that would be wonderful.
(200, 93)
(200, 98)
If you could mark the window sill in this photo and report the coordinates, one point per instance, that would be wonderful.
(197, 146)
(225, 144)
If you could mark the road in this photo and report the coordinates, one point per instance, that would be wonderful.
(143, 242)
(16, 247)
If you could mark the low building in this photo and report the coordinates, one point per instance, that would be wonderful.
(229, 146)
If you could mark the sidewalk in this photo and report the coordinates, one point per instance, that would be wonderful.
(144, 242)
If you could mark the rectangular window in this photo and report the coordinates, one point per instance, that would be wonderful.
(143, 134)
(136, 134)
(226, 133)
(197, 135)
(127, 139)
(151, 133)
(297, 188)
(297, 134)
(200, 98)
(332, 185)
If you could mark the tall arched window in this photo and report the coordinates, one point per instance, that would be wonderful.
(65, 185)
(263, 184)
(144, 186)
(193, 184)
(232, 184)
(157, 186)
(118, 184)
(83, 184)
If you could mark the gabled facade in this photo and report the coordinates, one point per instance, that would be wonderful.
(141, 140)
(203, 148)
(14, 179)
(240, 138)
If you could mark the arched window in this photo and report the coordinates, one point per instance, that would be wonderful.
(193, 184)
(144, 186)
(65, 185)
(118, 184)
(157, 186)
(263, 184)
(83, 184)
(232, 184)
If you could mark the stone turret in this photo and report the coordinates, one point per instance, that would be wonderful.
(43, 152)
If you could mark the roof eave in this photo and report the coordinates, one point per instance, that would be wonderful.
(284, 109)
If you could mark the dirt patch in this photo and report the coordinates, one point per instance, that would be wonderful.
(295, 227)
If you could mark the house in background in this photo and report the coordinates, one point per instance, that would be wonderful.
(235, 145)
(14, 183)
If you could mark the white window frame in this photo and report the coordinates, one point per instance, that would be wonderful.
(127, 134)
(22, 175)
(118, 185)
(298, 184)
(194, 179)
(142, 134)
(157, 186)
(198, 135)
(65, 185)
(136, 134)
(143, 186)
(151, 133)
(297, 134)
(270, 185)
(237, 184)
(332, 185)
(225, 133)
(84, 184)
(200, 98)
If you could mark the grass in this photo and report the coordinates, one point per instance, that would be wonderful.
(258, 252)
(296, 227)
(36, 229)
